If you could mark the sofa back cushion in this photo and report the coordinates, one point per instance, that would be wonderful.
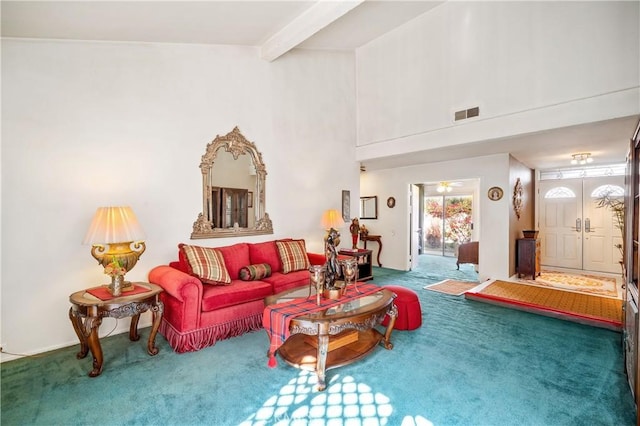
(266, 252)
(293, 255)
(235, 257)
(207, 264)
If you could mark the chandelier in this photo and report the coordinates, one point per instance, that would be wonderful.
(581, 158)
(444, 187)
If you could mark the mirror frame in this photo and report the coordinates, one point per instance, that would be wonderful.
(235, 144)
(365, 199)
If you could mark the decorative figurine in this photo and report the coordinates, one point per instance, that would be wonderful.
(317, 277)
(355, 230)
(333, 271)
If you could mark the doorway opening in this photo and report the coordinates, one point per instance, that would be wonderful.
(442, 217)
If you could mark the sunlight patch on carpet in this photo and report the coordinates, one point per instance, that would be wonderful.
(345, 401)
(453, 287)
(591, 284)
(589, 309)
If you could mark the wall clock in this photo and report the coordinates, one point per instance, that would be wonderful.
(517, 198)
(495, 193)
(391, 202)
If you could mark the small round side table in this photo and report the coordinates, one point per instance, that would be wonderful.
(87, 311)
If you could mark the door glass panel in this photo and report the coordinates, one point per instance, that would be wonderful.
(448, 223)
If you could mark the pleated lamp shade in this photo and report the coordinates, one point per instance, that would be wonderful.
(332, 219)
(114, 225)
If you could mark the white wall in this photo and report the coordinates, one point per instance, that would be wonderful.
(529, 66)
(89, 124)
(393, 224)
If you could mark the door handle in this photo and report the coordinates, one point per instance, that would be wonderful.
(578, 227)
(587, 225)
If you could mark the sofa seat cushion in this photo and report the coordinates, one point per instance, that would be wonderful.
(282, 282)
(238, 292)
(266, 252)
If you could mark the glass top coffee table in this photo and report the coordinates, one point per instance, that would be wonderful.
(338, 335)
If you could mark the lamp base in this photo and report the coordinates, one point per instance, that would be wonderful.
(118, 286)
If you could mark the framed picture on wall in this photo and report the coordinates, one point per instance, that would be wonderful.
(346, 206)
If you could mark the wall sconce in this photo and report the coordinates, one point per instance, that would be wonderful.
(116, 243)
(581, 158)
(444, 187)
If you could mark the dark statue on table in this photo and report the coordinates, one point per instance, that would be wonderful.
(333, 268)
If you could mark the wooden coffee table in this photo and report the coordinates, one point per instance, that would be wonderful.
(336, 336)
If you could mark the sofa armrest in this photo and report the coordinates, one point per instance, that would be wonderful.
(317, 258)
(178, 284)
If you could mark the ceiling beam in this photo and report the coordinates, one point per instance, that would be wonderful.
(317, 17)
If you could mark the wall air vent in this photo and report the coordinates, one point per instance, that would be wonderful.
(466, 113)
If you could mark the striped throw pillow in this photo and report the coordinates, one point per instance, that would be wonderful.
(293, 255)
(255, 272)
(207, 264)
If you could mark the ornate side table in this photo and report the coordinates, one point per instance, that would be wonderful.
(377, 239)
(87, 311)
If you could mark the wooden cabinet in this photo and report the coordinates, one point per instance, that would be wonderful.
(528, 257)
(365, 272)
(631, 268)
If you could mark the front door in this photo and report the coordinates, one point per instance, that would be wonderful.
(575, 233)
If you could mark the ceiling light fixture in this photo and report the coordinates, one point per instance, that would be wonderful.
(581, 158)
(444, 187)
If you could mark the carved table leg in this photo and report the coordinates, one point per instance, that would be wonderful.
(76, 321)
(393, 314)
(156, 311)
(323, 346)
(133, 329)
(91, 326)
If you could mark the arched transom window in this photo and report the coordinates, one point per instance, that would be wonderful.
(610, 190)
(560, 192)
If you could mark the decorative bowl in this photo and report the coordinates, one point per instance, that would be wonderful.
(335, 292)
(532, 233)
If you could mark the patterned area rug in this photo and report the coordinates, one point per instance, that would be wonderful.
(598, 311)
(592, 284)
(453, 287)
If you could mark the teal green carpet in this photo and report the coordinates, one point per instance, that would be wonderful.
(469, 364)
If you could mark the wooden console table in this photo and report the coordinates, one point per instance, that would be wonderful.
(87, 311)
(376, 238)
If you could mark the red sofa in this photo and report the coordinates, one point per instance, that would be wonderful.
(197, 315)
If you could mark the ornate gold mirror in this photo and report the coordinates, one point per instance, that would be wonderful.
(233, 193)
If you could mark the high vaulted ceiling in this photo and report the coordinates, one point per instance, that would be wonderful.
(276, 27)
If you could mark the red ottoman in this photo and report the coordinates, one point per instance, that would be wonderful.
(409, 311)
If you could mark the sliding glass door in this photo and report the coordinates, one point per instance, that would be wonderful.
(447, 223)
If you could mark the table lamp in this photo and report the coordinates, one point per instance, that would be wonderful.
(116, 239)
(331, 219)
